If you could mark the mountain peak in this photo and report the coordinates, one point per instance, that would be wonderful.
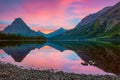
(19, 27)
(55, 33)
(62, 28)
(18, 18)
(18, 21)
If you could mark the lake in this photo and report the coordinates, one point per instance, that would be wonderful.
(83, 57)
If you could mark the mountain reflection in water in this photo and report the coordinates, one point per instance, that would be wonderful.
(78, 57)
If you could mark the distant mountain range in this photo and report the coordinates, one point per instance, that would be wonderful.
(105, 23)
(19, 27)
(55, 33)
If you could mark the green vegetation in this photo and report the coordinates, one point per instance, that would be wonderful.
(7, 40)
(96, 31)
(18, 43)
(13, 37)
(113, 33)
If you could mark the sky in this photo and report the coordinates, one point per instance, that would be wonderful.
(49, 15)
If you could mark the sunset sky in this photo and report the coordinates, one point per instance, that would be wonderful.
(49, 15)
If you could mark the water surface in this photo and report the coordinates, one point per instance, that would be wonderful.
(78, 57)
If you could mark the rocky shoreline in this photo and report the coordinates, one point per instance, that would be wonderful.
(11, 72)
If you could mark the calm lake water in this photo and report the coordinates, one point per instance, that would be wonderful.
(77, 57)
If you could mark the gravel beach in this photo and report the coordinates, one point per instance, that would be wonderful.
(11, 72)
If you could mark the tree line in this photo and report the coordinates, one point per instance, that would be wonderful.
(14, 37)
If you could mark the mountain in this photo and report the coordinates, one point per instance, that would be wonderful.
(42, 34)
(19, 27)
(109, 23)
(105, 25)
(55, 33)
(92, 17)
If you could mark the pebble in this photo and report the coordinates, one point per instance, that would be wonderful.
(11, 72)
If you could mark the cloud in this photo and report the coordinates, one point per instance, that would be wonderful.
(2, 26)
(56, 13)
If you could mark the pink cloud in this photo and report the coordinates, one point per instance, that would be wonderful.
(56, 13)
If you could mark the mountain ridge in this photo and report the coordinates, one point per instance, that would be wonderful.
(107, 25)
(19, 27)
(55, 33)
(92, 17)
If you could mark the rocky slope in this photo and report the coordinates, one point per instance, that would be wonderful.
(106, 25)
(92, 17)
(109, 22)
